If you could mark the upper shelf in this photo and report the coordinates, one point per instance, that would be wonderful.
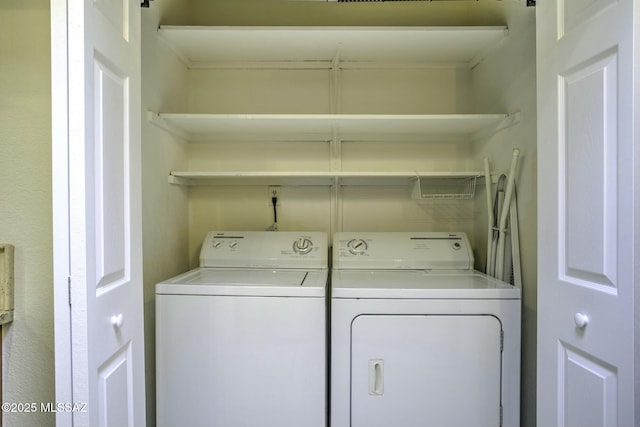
(322, 46)
(326, 127)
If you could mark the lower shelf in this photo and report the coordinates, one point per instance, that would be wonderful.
(315, 178)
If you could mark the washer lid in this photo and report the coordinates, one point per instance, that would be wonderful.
(254, 282)
(419, 284)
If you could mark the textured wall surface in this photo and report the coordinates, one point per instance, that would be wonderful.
(25, 205)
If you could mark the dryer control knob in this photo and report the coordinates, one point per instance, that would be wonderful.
(302, 246)
(357, 246)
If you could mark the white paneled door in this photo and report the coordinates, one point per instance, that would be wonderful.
(586, 198)
(97, 212)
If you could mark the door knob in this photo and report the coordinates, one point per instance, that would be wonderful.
(581, 320)
(117, 321)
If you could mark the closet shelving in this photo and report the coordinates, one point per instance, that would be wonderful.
(323, 127)
(306, 47)
(345, 178)
(334, 49)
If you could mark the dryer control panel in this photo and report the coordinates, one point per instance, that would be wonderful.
(402, 250)
(265, 249)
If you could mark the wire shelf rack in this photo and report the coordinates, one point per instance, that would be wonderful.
(449, 188)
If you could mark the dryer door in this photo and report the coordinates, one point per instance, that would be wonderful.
(417, 370)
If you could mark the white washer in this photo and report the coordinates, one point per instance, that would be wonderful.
(418, 338)
(241, 341)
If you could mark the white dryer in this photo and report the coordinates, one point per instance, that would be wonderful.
(241, 341)
(418, 338)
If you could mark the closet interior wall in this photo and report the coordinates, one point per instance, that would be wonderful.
(424, 90)
(176, 217)
(165, 221)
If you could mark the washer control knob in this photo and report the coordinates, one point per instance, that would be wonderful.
(217, 243)
(302, 246)
(233, 244)
(357, 246)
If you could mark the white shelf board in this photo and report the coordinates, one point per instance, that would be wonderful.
(207, 46)
(309, 178)
(324, 127)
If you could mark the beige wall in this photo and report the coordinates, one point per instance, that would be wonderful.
(290, 12)
(164, 207)
(435, 90)
(506, 82)
(25, 204)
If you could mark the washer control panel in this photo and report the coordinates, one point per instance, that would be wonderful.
(357, 246)
(303, 246)
(264, 249)
(402, 250)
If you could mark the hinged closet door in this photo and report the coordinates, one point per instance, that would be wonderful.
(586, 214)
(101, 203)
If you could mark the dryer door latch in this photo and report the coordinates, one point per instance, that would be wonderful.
(376, 377)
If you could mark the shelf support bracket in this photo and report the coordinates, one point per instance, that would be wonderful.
(177, 180)
(336, 152)
(156, 120)
(336, 205)
(509, 121)
(335, 83)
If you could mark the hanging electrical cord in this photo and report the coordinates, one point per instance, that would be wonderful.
(274, 202)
